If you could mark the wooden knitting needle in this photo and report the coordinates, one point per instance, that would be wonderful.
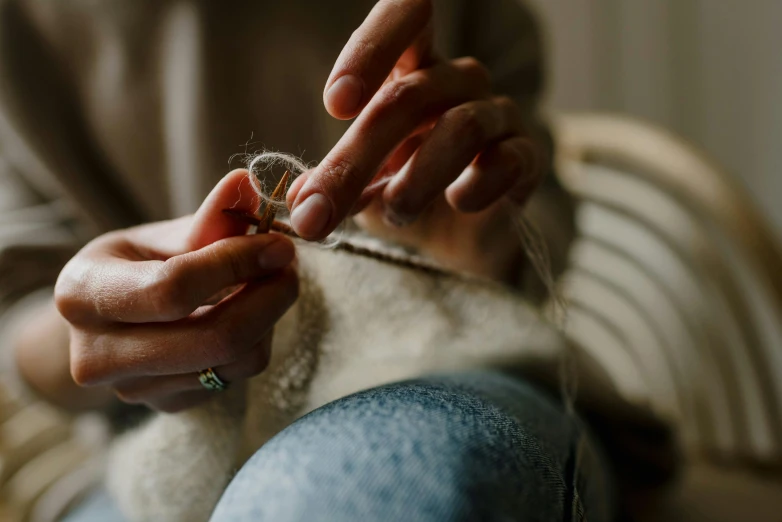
(278, 196)
(264, 222)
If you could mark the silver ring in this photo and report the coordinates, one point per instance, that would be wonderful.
(211, 381)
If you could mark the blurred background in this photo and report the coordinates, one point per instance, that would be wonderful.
(709, 70)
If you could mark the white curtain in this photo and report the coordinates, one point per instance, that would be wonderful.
(710, 70)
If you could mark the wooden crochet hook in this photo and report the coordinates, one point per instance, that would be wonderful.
(265, 221)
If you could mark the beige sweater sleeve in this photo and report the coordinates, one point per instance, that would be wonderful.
(45, 154)
(40, 226)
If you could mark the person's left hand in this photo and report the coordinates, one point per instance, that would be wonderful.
(429, 134)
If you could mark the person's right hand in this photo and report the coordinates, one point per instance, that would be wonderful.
(135, 300)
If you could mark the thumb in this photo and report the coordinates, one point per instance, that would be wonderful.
(210, 224)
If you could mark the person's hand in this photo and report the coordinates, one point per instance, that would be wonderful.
(430, 137)
(135, 300)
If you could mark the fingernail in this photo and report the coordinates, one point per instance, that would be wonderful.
(310, 217)
(345, 94)
(276, 255)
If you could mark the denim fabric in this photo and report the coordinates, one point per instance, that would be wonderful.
(473, 446)
(476, 446)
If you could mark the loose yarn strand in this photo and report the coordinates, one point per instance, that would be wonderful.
(265, 161)
(537, 252)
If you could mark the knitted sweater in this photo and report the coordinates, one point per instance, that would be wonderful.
(359, 322)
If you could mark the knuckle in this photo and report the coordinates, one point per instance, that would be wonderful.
(476, 69)
(84, 372)
(166, 291)
(338, 172)
(368, 46)
(408, 94)
(400, 202)
(87, 367)
(81, 372)
(69, 295)
(468, 125)
(507, 104)
(68, 305)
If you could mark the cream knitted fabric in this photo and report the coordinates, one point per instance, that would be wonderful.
(358, 323)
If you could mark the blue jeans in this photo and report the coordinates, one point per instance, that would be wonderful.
(472, 446)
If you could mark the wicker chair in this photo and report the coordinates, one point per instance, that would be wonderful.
(674, 285)
(46, 458)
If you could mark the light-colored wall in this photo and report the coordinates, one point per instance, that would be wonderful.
(710, 70)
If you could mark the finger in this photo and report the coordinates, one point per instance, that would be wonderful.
(367, 59)
(212, 337)
(158, 240)
(164, 239)
(210, 224)
(183, 283)
(401, 108)
(104, 288)
(459, 136)
(512, 168)
(294, 189)
(142, 390)
(391, 167)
